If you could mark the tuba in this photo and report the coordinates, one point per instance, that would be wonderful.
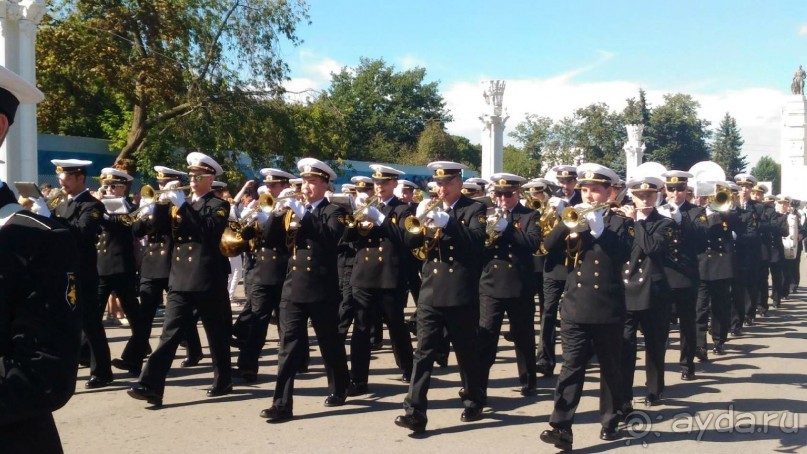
(706, 175)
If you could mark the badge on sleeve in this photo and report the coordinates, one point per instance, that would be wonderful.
(70, 293)
(222, 213)
(95, 214)
(631, 232)
(483, 219)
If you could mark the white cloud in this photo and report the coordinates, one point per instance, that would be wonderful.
(314, 74)
(803, 30)
(757, 110)
(410, 62)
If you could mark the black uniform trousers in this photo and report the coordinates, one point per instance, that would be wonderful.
(763, 290)
(553, 289)
(655, 326)
(151, 296)
(579, 341)
(125, 287)
(790, 272)
(539, 290)
(684, 300)
(33, 435)
(369, 304)
(294, 348)
(264, 299)
(744, 293)
(243, 321)
(93, 333)
(714, 299)
(214, 309)
(347, 311)
(461, 323)
(521, 313)
(777, 278)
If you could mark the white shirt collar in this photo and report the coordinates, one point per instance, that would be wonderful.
(7, 211)
(386, 202)
(314, 205)
(194, 198)
(74, 197)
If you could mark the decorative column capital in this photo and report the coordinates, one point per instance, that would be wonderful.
(32, 10)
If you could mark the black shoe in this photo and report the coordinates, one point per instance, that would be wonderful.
(334, 400)
(304, 367)
(749, 322)
(237, 343)
(625, 412)
(508, 336)
(700, 353)
(216, 391)
(561, 438)
(651, 400)
(412, 326)
(143, 392)
(545, 370)
(249, 376)
(718, 350)
(608, 434)
(132, 368)
(442, 360)
(406, 377)
(529, 390)
(274, 414)
(411, 423)
(471, 414)
(356, 389)
(97, 382)
(376, 346)
(763, 313)
(736, 332)
(191, 361)
(687, 375)
(776, 304)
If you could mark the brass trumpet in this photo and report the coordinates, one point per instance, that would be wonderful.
(232, 243)
(163, 191)
(721, 200)
(574, 218)
(56, 196)
(414, 224)
(535, 203)
(356, 218)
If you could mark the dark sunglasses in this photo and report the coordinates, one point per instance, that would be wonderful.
(676, 187)
(200, 177)
(113, 186)
(506, 194)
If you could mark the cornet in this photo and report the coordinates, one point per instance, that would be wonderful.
(414, 224)
(721, 201)
(56, 196)
(574, 218)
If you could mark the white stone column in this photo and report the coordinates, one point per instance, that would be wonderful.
(9, 13)
(493, 128)
(31, 14)
(794, 143)
(634, 149)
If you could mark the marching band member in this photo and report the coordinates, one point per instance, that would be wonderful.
(646, 289)
(311, 291)
(379, 277)
(82, 214)
(566, 176)
(748, 247)
(506, 283)
(680, 264)
(593, 309)
(449, 295)
(265, 271)
(198, 280)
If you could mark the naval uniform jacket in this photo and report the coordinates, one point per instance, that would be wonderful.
(39, 323)
(644, 272)
(555, 266)
(267, 262)
(575, 199)
(748, 243)
(312, 275)
(508, 265)
(82, 217)
(681, 262)
(451, 271)
(198, 265)
(382, 257)
(595, 291)
(777, 228)
(156, 227)
(716, 253)
(116, 245)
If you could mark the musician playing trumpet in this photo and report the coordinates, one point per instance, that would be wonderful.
(593, 309)
(507, 281)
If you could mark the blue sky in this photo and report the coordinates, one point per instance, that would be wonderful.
(735, 56)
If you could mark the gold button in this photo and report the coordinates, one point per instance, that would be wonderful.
(162, 252)
(450, 248)
(596, 286)
(596, 274)
(496, 266)
(435, 260)
(641, 279)
(626, 281)
(627, 271)
(380, 259)
(366, 259)
(274, 257)
(596, 262)
(451, 270)
(177, 248)
(177, 259)
(190, 248)
(640, 270)
(294, 257)
(180, 238)
(510, 255)
(579, 273)
(509, 265)
(308, 258)
(307, 269)
(190, 258)
(380, 248)
(151, 253)
(451, 259)
(721, 254)
(495, 256)
(579, 285)
(435, 271)
(294, 268)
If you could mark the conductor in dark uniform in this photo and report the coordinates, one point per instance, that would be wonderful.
(154, 271)
(593, 309)
(453, 236)
(506, 285)
(264, 273)
(311, 291)
(39, 319)
(681, 265)
(379, 276)
(647, 294)
(198, 280)
(82, 214)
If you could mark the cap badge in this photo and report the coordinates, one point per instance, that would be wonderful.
(590, 175)
(440, 172)
(565, 173)
(644, 185)
(673, 179)
(502, 182)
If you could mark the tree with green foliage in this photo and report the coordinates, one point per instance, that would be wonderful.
(768, 170)
(142, 67)
(468, 153)
(515, 160)
(600, 135)
(727, 147)
(675, 136)
(637, 112)
(384, 109)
